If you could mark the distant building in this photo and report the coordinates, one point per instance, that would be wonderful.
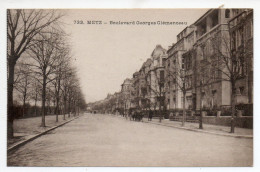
(144, 90)
(126, 90)
(135, 95)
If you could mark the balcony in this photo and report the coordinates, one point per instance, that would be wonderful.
(211, 32)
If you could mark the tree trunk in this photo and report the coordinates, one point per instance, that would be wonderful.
(57, 116)
(75, 108)
(24, 98)
(160, 110)
(10, 114)
(49, 105)
(35, 105)
(183, 109)
(57, 101)
(69, 106)
(201, 117)
(43, 101)
(233, 93)
(65, 106)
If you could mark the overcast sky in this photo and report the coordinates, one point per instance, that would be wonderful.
(107, 54)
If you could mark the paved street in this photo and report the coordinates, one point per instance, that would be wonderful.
(104, 140)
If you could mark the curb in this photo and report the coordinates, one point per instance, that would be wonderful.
(203, 131)
(19, 144)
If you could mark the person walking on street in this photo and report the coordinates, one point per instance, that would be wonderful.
(150, 116)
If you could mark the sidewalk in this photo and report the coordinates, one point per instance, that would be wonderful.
(27, 128)
(207, 128)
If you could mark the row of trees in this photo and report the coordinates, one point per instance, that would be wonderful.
(213, 61)
(39, 64)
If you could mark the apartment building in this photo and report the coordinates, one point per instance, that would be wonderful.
(193, 69)
(241, 31)
(126, 91)
(179, 73)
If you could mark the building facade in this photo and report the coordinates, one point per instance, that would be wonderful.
(241, 31)
(196, 69)
(127, 95)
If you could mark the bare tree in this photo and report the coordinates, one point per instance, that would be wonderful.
(177, 74)
(35, 94)
(24, 83)
(204, 75)
(157, 89)
(229, 64)
(68, 82)
(22, 27)
(46, 52)
(62, 68)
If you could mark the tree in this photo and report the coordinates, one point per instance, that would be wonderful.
(22, 27)
(62, 68)
(35, 94)
(23, 83)
(156, 86)
(65, 82)
(229, 64)
(177, 74)
(204, 74)
(46, 51)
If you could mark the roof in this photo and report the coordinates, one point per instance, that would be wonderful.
(158, 51)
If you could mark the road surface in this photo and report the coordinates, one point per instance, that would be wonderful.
(104, 140)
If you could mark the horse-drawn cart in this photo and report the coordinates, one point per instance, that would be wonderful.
(137, 116)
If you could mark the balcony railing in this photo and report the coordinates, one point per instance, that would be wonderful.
(211, 32)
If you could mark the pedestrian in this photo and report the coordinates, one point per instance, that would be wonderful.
(150, 116)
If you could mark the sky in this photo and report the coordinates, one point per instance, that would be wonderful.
(105, 54)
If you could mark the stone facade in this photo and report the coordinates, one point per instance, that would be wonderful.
(241, 31)
(192, 70)
(126, 90)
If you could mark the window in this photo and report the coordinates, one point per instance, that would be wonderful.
(163, 62)
(174, 100)
(242, 90)
(242, 67)
(188, 62)
(182, 63)
(240, 36)
(203, 52)
(188, 81)
(214, 92)
(162, 76)
(227, 13)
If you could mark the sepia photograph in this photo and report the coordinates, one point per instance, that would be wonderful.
(130, 87)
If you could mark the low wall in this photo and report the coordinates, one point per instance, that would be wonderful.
(242, 122)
